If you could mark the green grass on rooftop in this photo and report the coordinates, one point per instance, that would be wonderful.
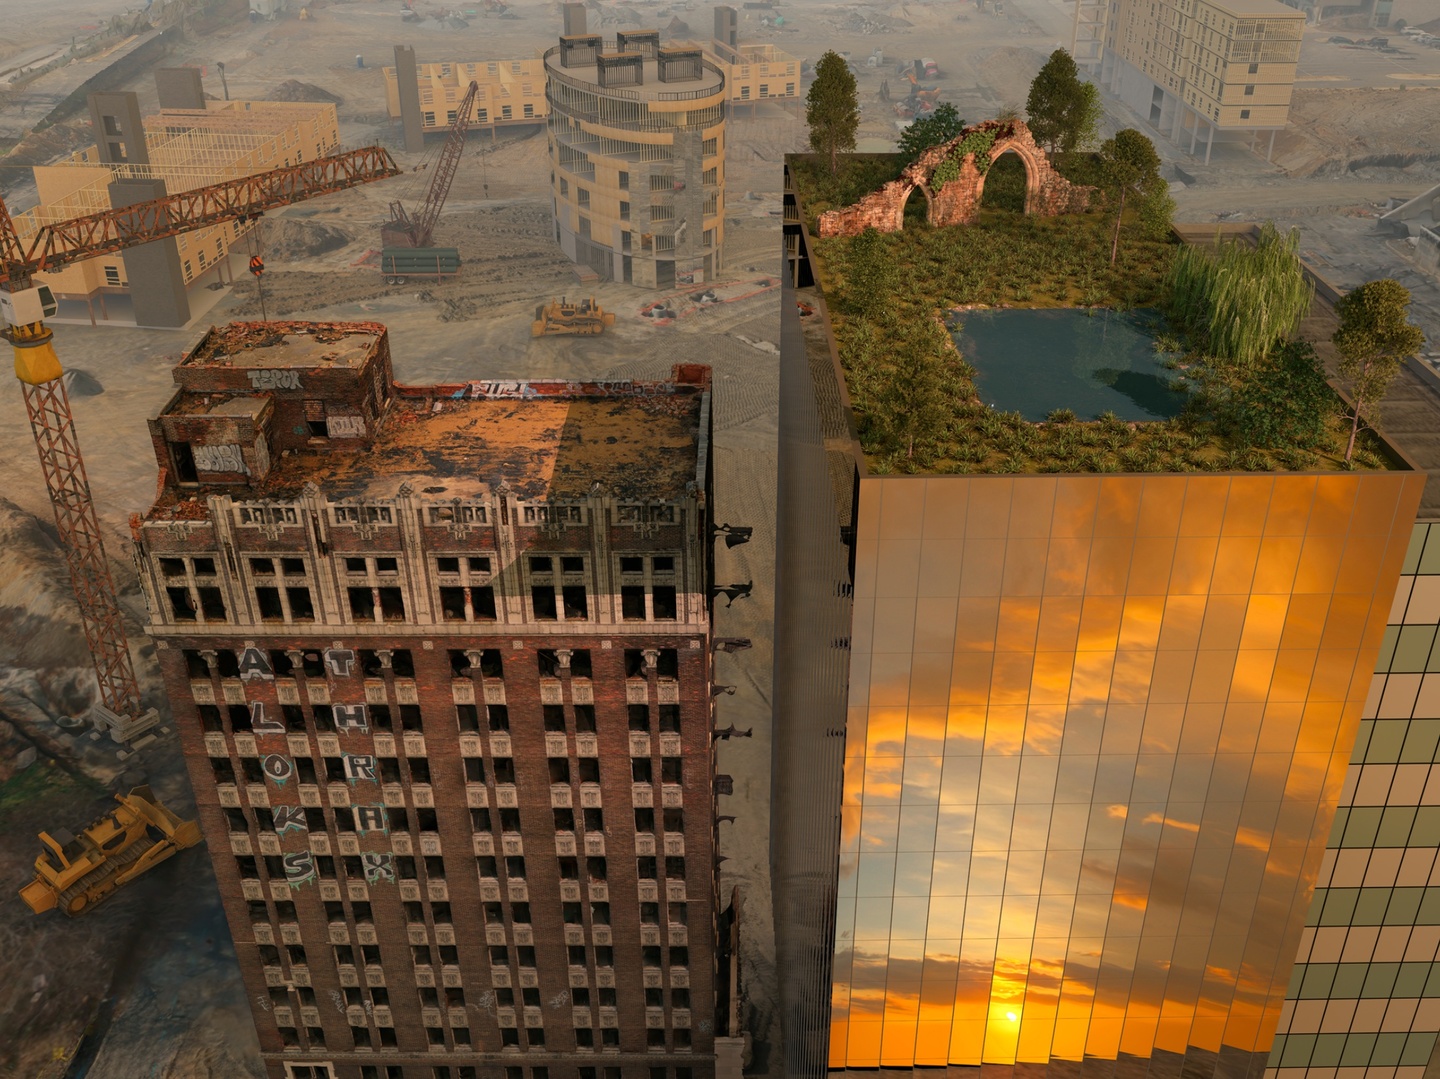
(917, 410)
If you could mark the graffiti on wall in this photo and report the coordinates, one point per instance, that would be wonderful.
(345, 426)
(226, 458)
(510, 388)
(274, 380)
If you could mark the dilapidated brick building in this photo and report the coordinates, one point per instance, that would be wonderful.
(440, 660)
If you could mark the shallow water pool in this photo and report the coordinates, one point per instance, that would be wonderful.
(1089, 361)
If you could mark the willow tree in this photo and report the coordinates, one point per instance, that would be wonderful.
(1243, 300)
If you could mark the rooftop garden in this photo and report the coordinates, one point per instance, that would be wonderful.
(1225, 319)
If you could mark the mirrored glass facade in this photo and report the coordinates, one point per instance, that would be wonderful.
(1097, 728)
(1364, 995)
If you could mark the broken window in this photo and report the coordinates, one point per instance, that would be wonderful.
(362, 604)
(577, 607)
(181, 605)
(468, 717)
(543, 600)
(268, 600)
(632, 601)
(452, 604)
(302, 609)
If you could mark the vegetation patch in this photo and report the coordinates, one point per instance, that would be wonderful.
(41, 781)
(893, 299)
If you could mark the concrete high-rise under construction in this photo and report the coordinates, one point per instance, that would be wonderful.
(637, 155)
(440, 661)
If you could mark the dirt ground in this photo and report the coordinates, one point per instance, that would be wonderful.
(179, 1009)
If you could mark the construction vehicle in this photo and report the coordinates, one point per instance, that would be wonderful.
(405, 229)
(24, 307)
(563, 317)
(398, 264)
(76, 872)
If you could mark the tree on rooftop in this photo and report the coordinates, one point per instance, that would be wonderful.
(1063, 112)
(1373, 340)
(1130, 166)
(832, 109)
(940, 126)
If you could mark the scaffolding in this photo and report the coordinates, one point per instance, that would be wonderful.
(1087, 38)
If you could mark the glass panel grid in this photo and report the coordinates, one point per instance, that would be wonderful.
(1099, 842)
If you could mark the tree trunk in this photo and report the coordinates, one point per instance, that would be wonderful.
(1119, 216)
(1354, 430)
(1356, 410)
(834, 157)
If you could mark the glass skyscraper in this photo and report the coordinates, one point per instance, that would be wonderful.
(1078, 742)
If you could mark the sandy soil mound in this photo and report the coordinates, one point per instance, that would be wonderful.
(39, 622)
(81, 383)
(1008, 71)
(289, 238)
(40, 148)
(294, 90)
(1334, 132)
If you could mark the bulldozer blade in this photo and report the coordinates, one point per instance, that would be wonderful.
(38, 896)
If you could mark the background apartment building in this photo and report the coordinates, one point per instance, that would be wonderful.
(193, 144)
(755, 73)
(637, 155)
(1197, 70)
(512, 93)
(440, 661)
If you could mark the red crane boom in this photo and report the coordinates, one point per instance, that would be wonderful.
(417, 231)
(25, 307)
(59, 244)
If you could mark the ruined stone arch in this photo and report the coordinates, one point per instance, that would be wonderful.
(924, 189)
(1035, 171)
(957, 202)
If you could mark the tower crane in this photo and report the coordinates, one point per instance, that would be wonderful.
(405, 230)
(24, 306)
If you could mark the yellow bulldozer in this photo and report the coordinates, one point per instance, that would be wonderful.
(564, 317)
(76, 872)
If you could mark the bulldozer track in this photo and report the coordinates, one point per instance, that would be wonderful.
(113, 867)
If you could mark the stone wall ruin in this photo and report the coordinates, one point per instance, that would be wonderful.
(957, 202)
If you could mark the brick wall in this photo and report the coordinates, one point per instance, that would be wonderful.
(434, 691)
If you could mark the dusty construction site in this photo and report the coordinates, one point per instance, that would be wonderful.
(151, 977)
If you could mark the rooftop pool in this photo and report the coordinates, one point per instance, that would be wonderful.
(1089, 361)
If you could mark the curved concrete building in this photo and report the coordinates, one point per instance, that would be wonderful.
(637, 156)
